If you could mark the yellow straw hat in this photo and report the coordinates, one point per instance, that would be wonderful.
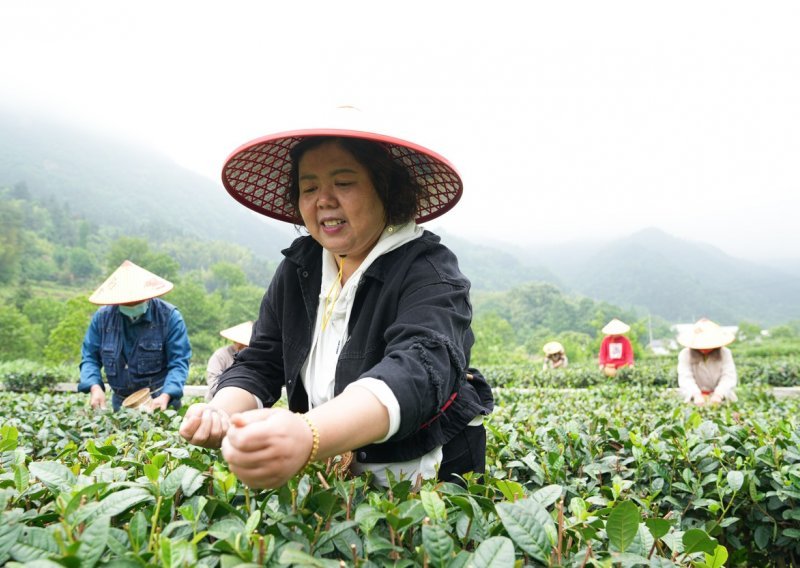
(239, 333)
(705, 334)
(128, 284)
(552, 347)
(616, 327)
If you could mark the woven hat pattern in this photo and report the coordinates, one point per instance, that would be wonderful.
(130, 283)
(259, 176)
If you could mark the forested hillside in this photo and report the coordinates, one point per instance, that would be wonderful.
(53, 258)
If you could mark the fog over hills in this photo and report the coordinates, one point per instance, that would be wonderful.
(677, 279)
(111, 182)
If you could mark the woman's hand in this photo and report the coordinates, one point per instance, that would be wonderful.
(699, 399)
(267, 447)
(204, 425)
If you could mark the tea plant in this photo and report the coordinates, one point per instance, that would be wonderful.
(615, 476)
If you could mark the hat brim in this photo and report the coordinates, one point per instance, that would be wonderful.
(258, 173)
(616, 329)
(709, 342)
(239, 333)
(130, 284)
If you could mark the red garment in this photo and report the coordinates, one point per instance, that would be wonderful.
(616, 350)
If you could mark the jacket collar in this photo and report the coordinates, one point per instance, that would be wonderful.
(305, 252)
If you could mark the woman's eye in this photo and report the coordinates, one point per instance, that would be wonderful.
(344, 183)
(308, 189)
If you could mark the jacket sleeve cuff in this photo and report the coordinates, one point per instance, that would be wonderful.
(386, 397)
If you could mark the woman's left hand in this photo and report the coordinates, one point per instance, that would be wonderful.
(265, 448)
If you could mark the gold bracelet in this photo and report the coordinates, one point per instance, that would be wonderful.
(315, 441)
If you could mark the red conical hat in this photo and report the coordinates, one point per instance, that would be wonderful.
(258, 173)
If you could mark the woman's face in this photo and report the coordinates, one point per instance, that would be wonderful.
(338, 202)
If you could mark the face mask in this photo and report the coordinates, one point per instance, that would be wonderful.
(134, 311)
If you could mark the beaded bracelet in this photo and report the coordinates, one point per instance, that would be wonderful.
(315, 441)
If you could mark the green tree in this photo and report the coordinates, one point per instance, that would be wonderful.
(224, 276)
(44, 314)
(748, 331)
(138, 252)
(200, 311)
(495, 342)
(243, 304)
(17, 333)
(10, 240)
(65, 340)
(81, 264)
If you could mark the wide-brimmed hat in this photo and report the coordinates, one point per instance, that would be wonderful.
(705, 334)
(258, 173)
(130, 283)
(239, 333)
(616, 327)
(552, 347)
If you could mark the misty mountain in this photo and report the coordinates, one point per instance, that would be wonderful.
(113, 183)
(676, 279)
(144, 193)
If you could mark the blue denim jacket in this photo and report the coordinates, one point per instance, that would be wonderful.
(409, 327)
(153, 351)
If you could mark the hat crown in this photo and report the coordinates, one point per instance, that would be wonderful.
(239, 333)
(128, 284)
(705, 334)
(616, 327)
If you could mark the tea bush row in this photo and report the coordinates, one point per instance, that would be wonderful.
(23, 375)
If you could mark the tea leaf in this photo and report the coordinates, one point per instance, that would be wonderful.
(526, 521)
(438, 545)
(696, 540)
(547, 495)
(434, 506)
(57, 477)
(494, 552)
(735, 480)
(94, 540)
(622, 525)
(115, 503)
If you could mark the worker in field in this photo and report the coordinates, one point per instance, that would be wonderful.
(555, 357)
(222, 358)
(706, 371)
(615, 350)
(137, 339)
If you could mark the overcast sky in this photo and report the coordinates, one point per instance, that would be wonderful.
(567, 120)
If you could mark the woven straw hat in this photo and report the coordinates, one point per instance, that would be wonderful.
(130, 283)
(552, 347)
(239, 333)
(705, 334)
(616, 327)
(258, 173)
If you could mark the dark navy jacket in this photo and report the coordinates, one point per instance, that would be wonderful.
(409, 327)
(153, 351)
